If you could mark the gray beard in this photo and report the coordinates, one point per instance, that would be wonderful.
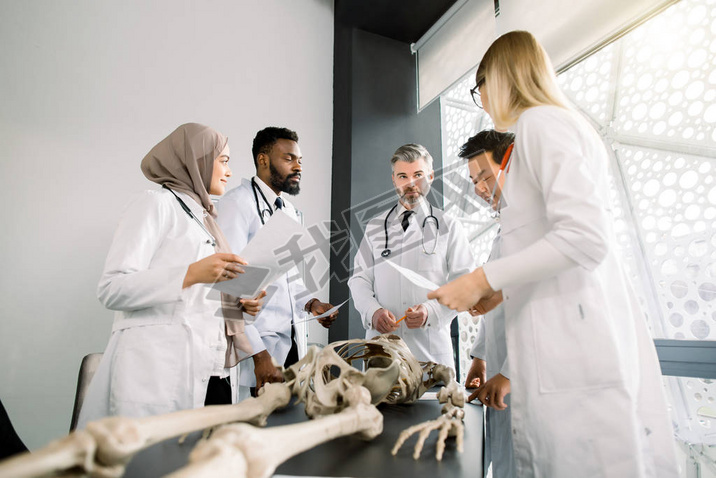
(404, 198)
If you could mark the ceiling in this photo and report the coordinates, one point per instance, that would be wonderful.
(402, 20)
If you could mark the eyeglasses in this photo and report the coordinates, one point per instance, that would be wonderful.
(475, 93)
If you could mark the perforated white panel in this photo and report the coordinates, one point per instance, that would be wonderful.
(676, 217)
(667, 83)
(461, 119)
(590, 84)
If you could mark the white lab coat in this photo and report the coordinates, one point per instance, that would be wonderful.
(587, 398)
(239, 219)
(375, 284)
(491, 346)
(166, 341)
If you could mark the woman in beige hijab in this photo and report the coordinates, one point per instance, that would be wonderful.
(168, 349)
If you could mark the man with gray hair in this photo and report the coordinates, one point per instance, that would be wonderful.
(421, 238)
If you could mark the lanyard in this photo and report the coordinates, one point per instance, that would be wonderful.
(504, 164)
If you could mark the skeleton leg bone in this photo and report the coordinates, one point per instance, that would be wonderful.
(68, 452)
(107, 445)
(265, 449)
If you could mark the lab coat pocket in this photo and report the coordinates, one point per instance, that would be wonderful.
(574, 345)
(150, 371)
(440, 345)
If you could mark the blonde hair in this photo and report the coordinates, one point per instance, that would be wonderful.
(517, 74)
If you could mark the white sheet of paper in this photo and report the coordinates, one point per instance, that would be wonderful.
(413, 276)
(325, 314)
(246, 285)
(270, 291)
(263, 248)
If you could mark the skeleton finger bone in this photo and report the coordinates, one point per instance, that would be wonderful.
(448, 426)
(424, 432)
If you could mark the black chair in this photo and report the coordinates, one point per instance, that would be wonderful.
(10, 443)
(87, 369)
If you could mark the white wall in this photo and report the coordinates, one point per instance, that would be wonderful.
(86, 89)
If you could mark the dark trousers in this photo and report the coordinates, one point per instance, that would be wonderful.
(292, 356)
(218, 392)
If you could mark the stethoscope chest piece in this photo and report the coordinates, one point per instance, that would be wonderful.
(385, 253)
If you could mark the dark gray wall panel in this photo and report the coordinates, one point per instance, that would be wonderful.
(374, 113)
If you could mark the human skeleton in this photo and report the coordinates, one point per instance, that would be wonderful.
(341, 400)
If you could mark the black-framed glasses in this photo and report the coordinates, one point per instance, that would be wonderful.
(475, 93)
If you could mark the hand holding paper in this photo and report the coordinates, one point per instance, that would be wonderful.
(263, 259)
(253, 306)
(327, 313)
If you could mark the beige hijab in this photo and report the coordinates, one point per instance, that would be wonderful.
(184, 161)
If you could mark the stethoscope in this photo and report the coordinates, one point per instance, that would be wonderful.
(262, 213)
(434, 220)
(191, 215)
(268, 211)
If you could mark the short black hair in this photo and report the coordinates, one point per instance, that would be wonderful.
(488, 140)
(267, 137)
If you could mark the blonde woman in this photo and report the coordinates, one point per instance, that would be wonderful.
(585, 384)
